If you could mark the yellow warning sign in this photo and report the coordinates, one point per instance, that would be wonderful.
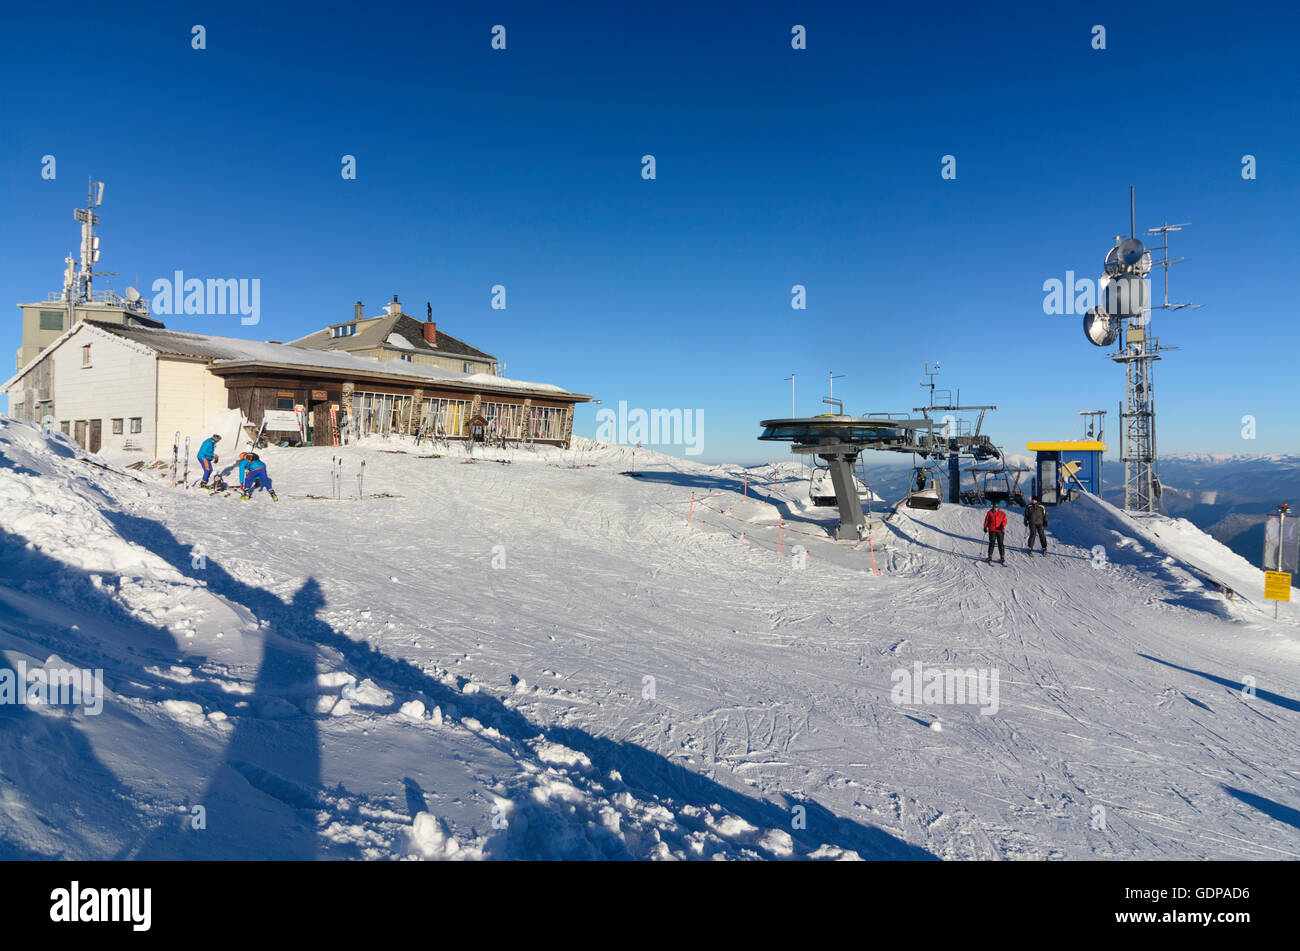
(1277, 586)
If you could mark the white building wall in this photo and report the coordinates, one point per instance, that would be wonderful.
(118, 383)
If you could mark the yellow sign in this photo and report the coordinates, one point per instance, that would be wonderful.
(1277, 586)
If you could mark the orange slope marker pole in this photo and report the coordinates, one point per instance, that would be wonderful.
(691, 514)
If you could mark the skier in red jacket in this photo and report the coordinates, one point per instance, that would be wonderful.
(995, 526)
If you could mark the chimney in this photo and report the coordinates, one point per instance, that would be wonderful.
(431, 333)
(394, 308)
(358, 311)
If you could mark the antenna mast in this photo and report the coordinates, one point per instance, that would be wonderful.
(1128, 293)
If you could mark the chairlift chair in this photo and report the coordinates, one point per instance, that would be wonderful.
(1003, 485)
(925, 494)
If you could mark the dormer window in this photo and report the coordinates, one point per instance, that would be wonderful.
(345, 330)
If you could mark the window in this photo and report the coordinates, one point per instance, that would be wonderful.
(65, 428)
(117, 427)
(284, 402)
(52, 319)
(447, 415)
(547, 422)
(346, 330)
(373, 413)
(505, 418)
(137, 424)
(465, 368)
(406, 357)
(85, 355)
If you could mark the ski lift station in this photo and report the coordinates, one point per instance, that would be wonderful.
(838, 440)
(1064, 464)
(1061, 470)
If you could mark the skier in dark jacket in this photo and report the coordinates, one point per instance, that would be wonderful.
(995, 526)
(255, 476)
(208, 458)
(1036, 519)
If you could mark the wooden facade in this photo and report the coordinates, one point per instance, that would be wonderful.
(254, 389)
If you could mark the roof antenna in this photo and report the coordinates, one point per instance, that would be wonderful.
(1132, 216)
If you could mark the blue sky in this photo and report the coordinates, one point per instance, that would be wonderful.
(775, 167)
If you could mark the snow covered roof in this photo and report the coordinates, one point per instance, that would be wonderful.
(378, 332)
(233, 352)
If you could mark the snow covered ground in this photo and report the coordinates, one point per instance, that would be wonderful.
(551, 658)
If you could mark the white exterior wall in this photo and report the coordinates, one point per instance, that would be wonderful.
(119, 383)
(188, 397)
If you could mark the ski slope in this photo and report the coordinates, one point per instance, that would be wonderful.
(552, 659)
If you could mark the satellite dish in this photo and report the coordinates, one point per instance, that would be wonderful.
(1112, 261)
(1131, 251)
(1099, 327)
(1129, 254)
(132, 294)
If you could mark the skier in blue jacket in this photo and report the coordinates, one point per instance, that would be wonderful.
(255, 476)
(208, 458)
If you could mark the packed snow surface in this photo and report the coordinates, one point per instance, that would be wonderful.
(554, 659)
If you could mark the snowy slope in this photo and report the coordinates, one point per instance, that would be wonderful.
(612, 680)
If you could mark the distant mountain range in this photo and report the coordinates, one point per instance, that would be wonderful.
(1225, 494)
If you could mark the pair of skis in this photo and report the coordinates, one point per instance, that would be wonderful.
(184, 478)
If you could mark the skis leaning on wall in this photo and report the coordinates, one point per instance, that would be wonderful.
(176, 457)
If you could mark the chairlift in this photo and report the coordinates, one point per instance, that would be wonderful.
(924, 491)
(821, 488)
(998, 484)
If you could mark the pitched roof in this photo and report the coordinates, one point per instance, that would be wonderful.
(234, 351)
(374, 332)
